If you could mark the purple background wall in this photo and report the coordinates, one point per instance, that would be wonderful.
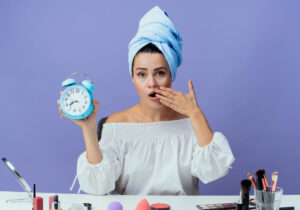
(243, 57)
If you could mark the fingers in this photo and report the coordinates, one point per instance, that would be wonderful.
(61, 113)
(169, 104)
(169, 90)
(59, 108)
(164, 98)
(165, 94)
(191, 88)
(96, 105)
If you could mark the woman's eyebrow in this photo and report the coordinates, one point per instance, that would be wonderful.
(156, 69)
(141, 68)
(160, 68)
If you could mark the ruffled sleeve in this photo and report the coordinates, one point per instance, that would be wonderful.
(99, 179)
(213, 160)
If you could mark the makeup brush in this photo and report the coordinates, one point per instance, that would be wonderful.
(266, 181)
(259, 179)
(261, 185)
(34, 195)
(245, 189)
(274, 180)
(251, 178)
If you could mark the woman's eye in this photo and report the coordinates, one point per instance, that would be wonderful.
(141, 74)
(160, 73)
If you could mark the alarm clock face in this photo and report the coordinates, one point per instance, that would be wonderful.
(75, 100)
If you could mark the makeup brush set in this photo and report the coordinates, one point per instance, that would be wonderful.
(261, 182)
(266, 196)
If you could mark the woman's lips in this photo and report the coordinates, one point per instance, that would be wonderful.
(153, 97)
(152, 94)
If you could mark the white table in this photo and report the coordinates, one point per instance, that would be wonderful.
(129, 202)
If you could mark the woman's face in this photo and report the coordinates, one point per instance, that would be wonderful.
(150, 71)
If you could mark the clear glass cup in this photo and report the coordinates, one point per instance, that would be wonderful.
(268, 200)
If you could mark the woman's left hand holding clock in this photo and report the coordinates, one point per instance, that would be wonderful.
(89, 130)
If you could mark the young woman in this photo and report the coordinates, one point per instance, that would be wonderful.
(163, 144)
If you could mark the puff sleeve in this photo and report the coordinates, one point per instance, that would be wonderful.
(212, 161)
(99, 179)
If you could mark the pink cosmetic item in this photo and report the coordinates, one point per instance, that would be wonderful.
(143, 205)
(37, 201)
(51, 199)
(115, 206)
(160, 206)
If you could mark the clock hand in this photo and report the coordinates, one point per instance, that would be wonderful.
(72, 103)
(76, 101)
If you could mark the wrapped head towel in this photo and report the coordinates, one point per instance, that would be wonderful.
(156, 28)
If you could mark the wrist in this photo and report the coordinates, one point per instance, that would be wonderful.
(88, 128)
(89, 135)
(197, 113)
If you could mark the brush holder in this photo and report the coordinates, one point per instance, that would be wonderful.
(268, 200)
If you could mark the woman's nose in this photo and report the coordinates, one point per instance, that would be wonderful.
(152, 83)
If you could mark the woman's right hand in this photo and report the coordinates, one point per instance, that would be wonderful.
(90, 121)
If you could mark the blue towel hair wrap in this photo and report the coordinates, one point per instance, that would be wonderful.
(155, 27)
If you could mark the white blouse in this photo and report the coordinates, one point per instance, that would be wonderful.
(156, 158)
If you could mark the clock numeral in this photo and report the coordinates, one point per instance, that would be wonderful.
(72, 91)
(83, 107)
(77, 90)
(79, 110)
(85, 97)
(68, 94)
(85, 102)
(66, 99)
(74, 110)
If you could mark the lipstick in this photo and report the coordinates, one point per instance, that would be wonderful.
(37, 201)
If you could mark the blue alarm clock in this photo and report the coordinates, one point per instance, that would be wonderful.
(76, 99)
